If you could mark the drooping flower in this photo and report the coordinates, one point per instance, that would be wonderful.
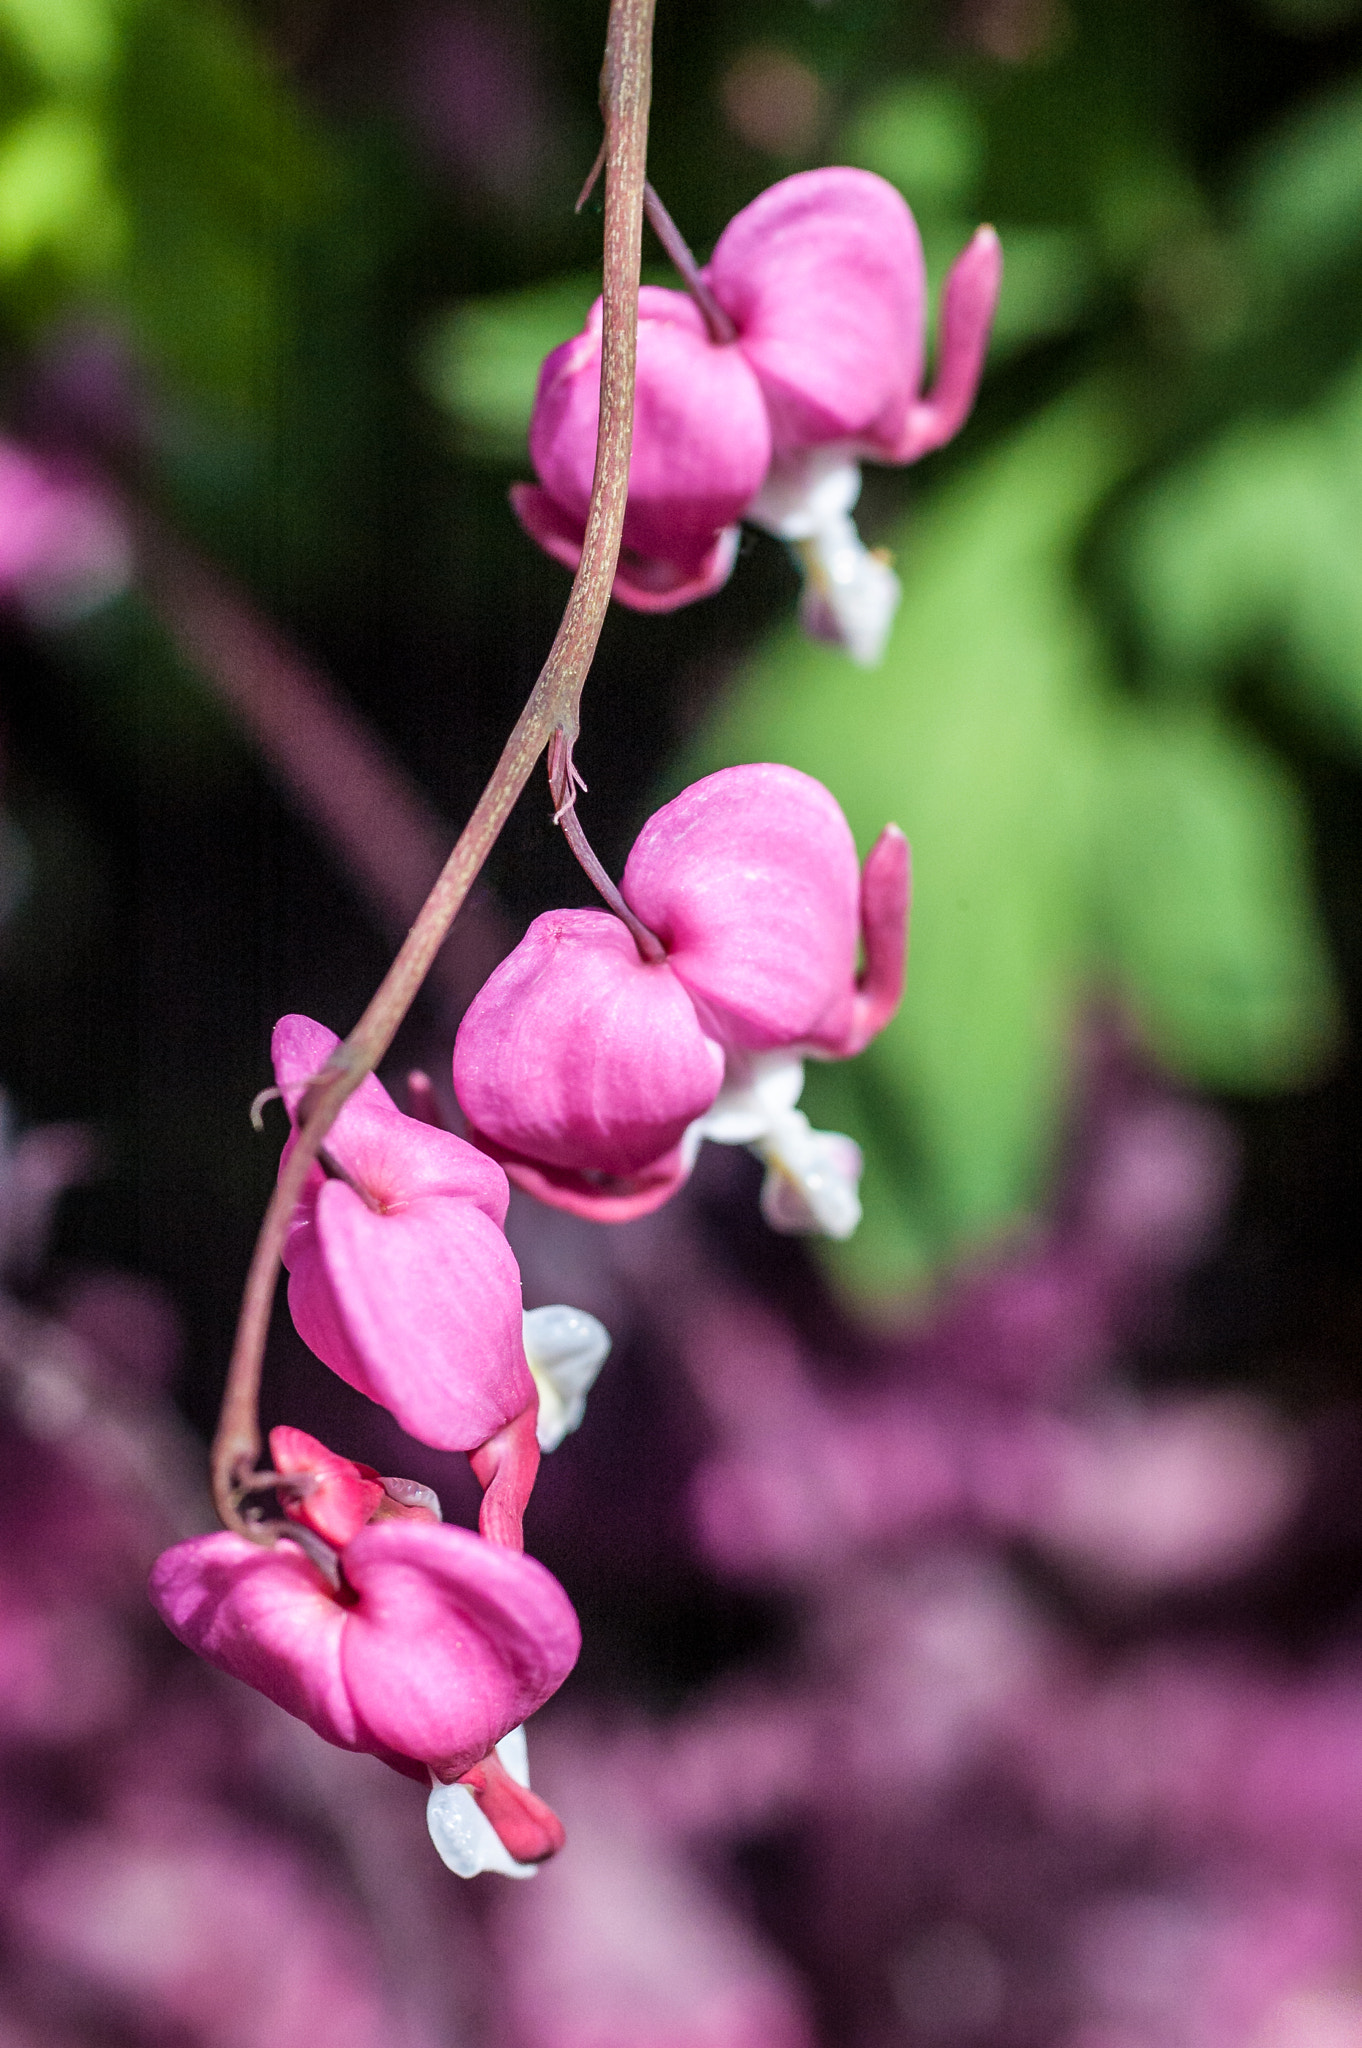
(400, 1278)
(593, 1075)
(418, 1643)
(823, 282)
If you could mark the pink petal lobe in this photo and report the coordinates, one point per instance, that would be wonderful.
(342, 1495)
(453, 1641)
(643, 585)
(702, 443)
(264, 1616)
(750, 880)
(885, 890)
(395, 1158)
(968, 303)
(419, 1309)
(601, 1198)
(577, 1054)
(824, 279)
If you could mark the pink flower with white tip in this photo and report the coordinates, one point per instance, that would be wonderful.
(391, 1634)
(593, 1074)
(821, 280)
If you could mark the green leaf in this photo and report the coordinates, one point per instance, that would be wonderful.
(1249, 551)
(481, 361)
(1302, 200)
(71, 44)
(54, 191)
(926, 137)
(1209, 911)
(222, 178)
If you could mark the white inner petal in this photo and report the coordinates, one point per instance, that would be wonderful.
(812, 1177)
(565, 1349)
(464, 1838)
(850, 593)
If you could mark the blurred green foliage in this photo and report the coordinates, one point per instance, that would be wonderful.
(1133, 588)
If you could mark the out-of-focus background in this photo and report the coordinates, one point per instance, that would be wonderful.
(973, 1612)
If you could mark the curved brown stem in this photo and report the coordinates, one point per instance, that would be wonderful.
(564, 781)
(552, 710)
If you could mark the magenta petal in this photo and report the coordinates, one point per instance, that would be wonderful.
(642, 585)
(968, 303)
(750, 880)
(823, 277)
(264, 1616)
(453, 1642)
(395, 1158)
(702, 443)
(885, 890)
(578, 1054)
(602, 1198)
(418, 1308)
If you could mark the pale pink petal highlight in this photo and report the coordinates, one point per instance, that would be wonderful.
(823, 276)
(750, 879)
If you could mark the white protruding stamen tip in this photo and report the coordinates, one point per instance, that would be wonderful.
(812, 1177)
(465, 1840)
(565, 1349)
(850, 594)
(812, 1183)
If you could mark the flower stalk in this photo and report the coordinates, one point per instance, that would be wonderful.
(551, 713)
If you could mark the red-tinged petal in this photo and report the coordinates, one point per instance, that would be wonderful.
(601, 1197)
(968, 303)
(886, 886)
(266, 1617)
(453, 1641)
(578, 1054)
(702, 443)
(823, 277)
(395, 1158)
(506, 1467)
(750, 880)
(529, 1829)
(419, 1309)
(342, 1495)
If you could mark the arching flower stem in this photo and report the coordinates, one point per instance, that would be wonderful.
(721, 328)
(550, 713)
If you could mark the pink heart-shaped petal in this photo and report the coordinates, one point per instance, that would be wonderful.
(750, 879)
(578, 1054)
(418, 1308)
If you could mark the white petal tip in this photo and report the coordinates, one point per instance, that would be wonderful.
(465, 1840)
(565, 1349)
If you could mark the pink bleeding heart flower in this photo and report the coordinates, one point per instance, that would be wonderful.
(426, 1647)
(400, 1278)
(593, 1074)
(822, 279)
